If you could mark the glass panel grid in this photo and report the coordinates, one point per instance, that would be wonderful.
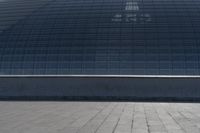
(134, 37)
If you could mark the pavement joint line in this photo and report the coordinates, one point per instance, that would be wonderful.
(148, 127)
(176, 121)
(132, 118)
(105, 119)
(159, 117)
(118, 120)
(91, 118)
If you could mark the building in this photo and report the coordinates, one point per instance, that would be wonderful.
(100, 37)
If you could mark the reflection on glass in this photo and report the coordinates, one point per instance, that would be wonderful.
(102, 37)
(132, 14)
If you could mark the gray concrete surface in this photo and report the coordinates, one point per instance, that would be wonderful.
(99, 117)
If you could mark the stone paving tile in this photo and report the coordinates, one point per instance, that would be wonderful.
(99, 117)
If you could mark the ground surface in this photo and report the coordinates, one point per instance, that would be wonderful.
(99, 117)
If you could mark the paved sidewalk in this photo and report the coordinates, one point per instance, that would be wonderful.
(99, 117)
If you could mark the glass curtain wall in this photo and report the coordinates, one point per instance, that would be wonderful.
(100, 37)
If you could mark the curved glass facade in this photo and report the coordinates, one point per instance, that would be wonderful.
(118, 37)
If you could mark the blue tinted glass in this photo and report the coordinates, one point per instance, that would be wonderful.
(133, 37)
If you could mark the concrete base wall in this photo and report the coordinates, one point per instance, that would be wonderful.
(105, 88)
